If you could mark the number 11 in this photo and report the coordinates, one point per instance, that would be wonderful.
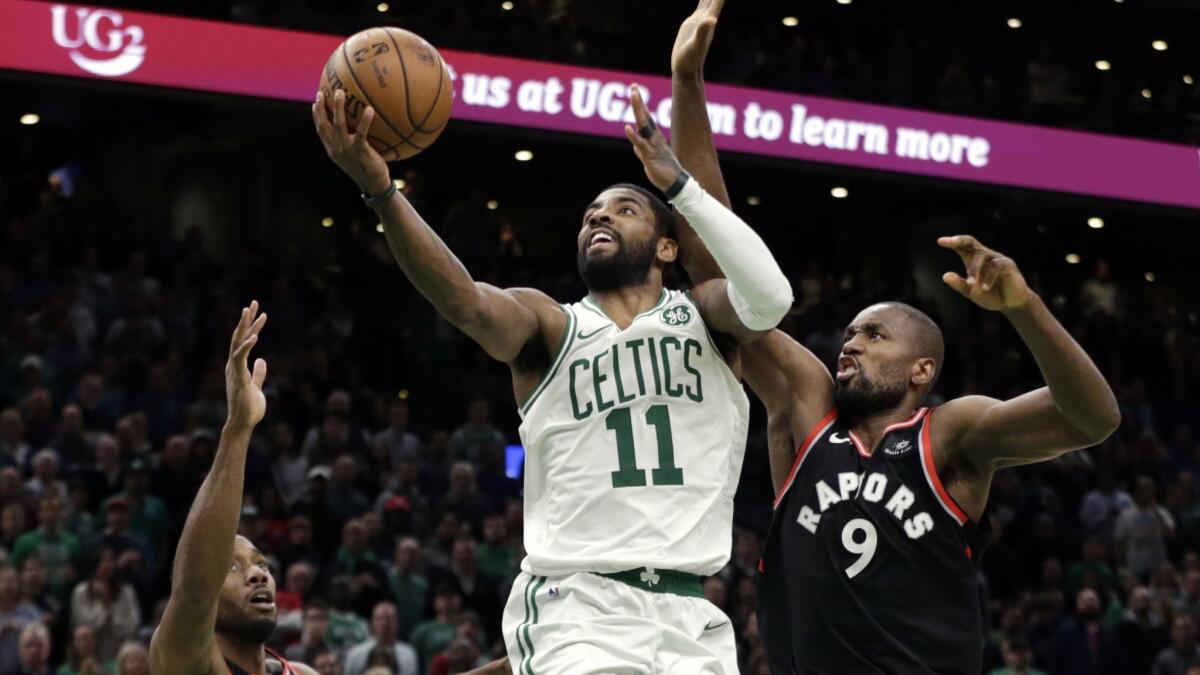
(628, 475)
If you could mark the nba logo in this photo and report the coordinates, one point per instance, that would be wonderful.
(554, 591)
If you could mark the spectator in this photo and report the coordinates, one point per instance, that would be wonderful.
(432, 636)
(477, 589)
(1092, 566)
(314, 636)
(1018, 658)
(1101, 506)
(346, 628)
(400, 442)
(58, 550)
(469, 440)
(1083, 645)
(148, 519)
(108, 605)
(299, 545)
(133, 659)
(12, 525)
(176, 480)
(1143, 529)
(354, 553)
(34, 651)
(35, 591)
(131, 554)
(81, 650)
(464, 499)
(45, 478)
(289, 600)
(326, 662)
(108, 475)
(493, 480)
(464, 651)
(1183, 653)
(399, 656)
(497, 559)
(15, 616)
(14, 451)
(344, 499)
(409, 587)
(72, 446)
(288, 465)
(404, 492)
(1141, 634)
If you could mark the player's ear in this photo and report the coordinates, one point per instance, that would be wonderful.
(668, 250)
(924, 370)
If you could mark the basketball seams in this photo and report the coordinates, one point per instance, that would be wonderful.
(367, 97)
(418, 127)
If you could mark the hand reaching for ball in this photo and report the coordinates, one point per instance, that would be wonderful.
(351, 151)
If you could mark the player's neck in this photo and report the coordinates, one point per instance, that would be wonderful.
(869, 429)
(249, 656)
(622, 305)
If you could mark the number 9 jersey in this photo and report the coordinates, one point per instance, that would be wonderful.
(633, 446)
(870, 565)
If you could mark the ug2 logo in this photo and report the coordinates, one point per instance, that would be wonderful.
(677, 315)
(101, 32)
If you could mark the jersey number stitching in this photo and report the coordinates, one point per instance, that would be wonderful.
(628, 475)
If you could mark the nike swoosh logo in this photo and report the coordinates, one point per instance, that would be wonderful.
(833, 438)
(583, 336)
(708, 627)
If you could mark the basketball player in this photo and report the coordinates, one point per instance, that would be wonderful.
(869, 565)
(222, 605)
(633, 422)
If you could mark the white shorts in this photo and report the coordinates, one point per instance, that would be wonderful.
(589, 624)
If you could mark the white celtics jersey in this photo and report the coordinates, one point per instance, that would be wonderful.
(633, 446)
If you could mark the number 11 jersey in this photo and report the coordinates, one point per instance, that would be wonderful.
(870, 565)
(633, 446)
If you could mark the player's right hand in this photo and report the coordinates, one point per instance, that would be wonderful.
(351, 152)
(243, 389)
(694, 37)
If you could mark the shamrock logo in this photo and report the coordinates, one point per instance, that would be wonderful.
(650, 577)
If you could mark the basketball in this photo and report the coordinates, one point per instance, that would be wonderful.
(403, 77)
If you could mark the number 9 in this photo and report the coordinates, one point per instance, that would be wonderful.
(865, 549)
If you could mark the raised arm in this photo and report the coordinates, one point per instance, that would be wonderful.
(184, 642)
(792, 383)
(1077, 407)
(501, 321)
(755, 294)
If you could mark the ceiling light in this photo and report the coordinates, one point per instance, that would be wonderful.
(1103, 65)
(1073, 258)
(1149, 276)
(30, 119)
(844, 2)
(753, 200)
(1014, 22)
(1096, 223)
(381, 7)
(1159, 45)
(327, 222)
(523, 155)
(402, 395)
(791, 21)
(506, 6)
(379, 227)
(492, 205)
(1146, 94)
(839, 192)
(1188, 79)
(399, 182)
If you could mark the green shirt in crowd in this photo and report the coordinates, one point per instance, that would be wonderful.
(410, 592)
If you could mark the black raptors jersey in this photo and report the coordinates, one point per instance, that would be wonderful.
(869, 565)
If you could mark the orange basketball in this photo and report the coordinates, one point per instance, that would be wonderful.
(403, 77)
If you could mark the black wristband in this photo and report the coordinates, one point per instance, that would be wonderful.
(677, 187)
(381, 197)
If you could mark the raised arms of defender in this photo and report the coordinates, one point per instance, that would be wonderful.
(976, 434)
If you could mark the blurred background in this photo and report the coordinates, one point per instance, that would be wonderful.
(385, 481)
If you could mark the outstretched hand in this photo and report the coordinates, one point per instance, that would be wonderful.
(694, 37)
(350, 151)
(243, 389)
(662, 167)
(993, 280)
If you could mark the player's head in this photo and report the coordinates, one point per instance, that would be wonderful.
(627, 233)
(246, 609)
(891, 353)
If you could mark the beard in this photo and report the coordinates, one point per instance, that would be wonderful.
(623, 268)
(862, 397)
(239, 625)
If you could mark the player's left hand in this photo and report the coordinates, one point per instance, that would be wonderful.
(694, 37)
(662, 167)
(993, 280)
(243, 389)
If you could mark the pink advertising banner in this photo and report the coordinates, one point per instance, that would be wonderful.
(151, 49)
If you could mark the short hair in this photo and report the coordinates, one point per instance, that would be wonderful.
(128, 649)
(37, 629)
(926, 336)
(664, 216)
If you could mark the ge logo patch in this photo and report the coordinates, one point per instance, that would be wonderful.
(679, 315)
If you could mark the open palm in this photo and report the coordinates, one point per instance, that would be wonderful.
(694, 37)
(243, 389)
